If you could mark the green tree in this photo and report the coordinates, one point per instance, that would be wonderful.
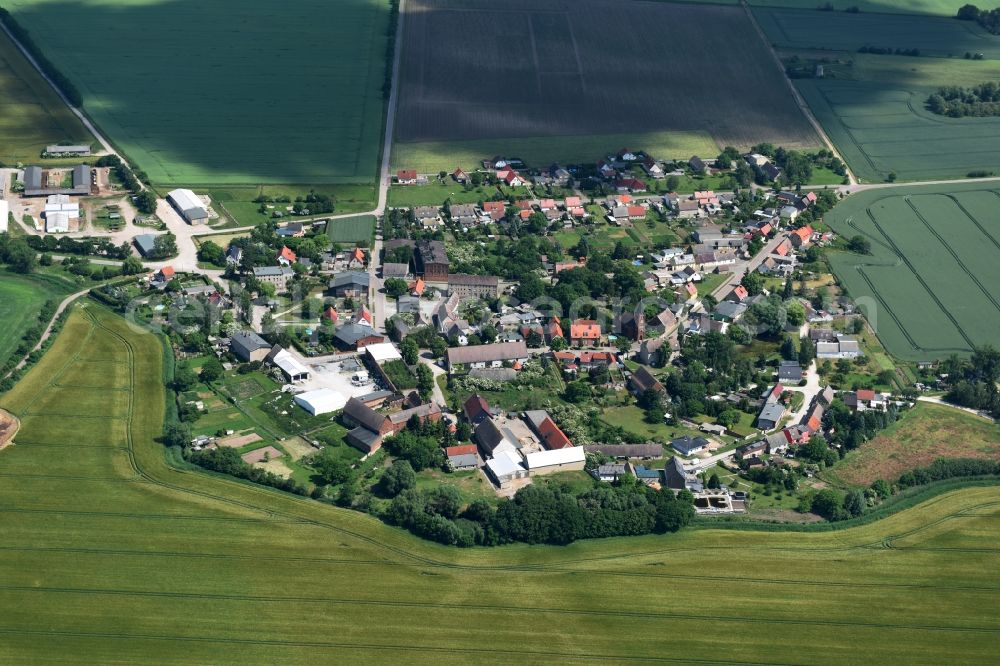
(177, 434)
(211, 253)
(411, 353)
(399, 477)
(184, 377)
(623, 345)
(333, 471)
(714, 482)
(396, 287)
(425, 381)
(753, 282)
(212, 370)
(859, 245)
(20, 256)
(132, 266)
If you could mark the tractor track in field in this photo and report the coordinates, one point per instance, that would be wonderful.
(937, 301)
(491, 608)
(378, 647)
(951, 251)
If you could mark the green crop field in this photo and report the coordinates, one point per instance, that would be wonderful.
(929, 286)
(31, 114)
(226, 92)
(873, 106)
(111, 555)
(21, 299)
(934, 36)
(934, 7)
(435, 156)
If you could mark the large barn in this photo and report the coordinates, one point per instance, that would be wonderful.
(189, 206)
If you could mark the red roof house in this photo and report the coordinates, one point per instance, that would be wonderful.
(286, 256)
(584, 330)
(553, 435)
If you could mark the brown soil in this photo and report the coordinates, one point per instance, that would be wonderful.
(8, 428)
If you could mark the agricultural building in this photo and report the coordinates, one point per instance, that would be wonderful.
(187, 203)
(321, 401)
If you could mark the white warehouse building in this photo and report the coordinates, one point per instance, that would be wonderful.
(189, 205)
(320, 401)
(4, 215)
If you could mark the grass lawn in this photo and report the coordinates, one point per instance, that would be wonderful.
(227, 92)
(924, 434)
(472, 484)
(33, 115)
(435, 193)
(358, 230)
(237, 203)
(711, 282)
(98, 559)
(631, 418)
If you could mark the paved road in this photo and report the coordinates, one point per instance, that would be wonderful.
(427, 360)
(809, 392)
(736, 275)
(385, 177)
(699, 465)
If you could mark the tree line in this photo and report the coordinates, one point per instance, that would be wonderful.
(988, 18)
(979, 101)
(540, 514)
(974, 381)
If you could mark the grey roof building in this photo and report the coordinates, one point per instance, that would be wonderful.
(688, 445)
(350, 281)
(247, 346)
(145, 243)
(790, 371)
(770, 415)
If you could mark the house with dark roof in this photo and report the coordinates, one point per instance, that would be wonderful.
(676, 477)
(641, 381)
(476, 409)
(248, 346)
(350, 284)
(688, 446)
(431, 261)
(790, 371)
(352, 336)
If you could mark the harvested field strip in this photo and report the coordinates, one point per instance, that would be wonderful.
(554, 71)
